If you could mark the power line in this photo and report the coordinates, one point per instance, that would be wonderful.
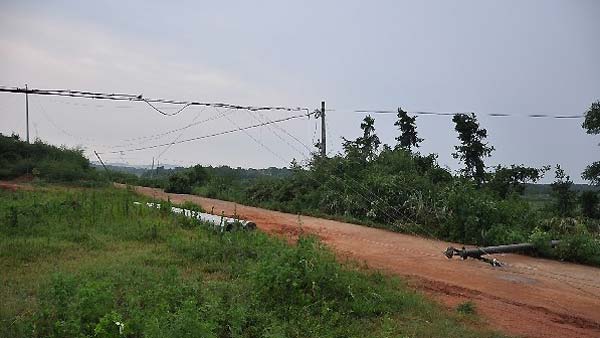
(212, 135)
(177, 138)
(487, 114)
(192, 124)
(257, 140)
(83, 140)
(141, 98)
(256, 118)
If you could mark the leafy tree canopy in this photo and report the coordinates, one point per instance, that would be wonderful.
(592, 173)
(565, 197)
(408, 131)
(592, 126)
(592, 119)
(507, 180)
(365, 147)
(472, 149)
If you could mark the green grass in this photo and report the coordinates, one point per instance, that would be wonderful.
(75, 262)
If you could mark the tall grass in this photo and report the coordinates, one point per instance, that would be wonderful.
(89, 263)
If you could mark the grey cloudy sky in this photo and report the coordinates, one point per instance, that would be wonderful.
(514, 57)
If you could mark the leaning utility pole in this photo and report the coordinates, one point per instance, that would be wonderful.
(323, 134)
(104, 166)
(27, 111)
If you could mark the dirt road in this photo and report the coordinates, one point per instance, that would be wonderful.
(529, 296)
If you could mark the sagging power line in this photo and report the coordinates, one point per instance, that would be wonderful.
(212, 135)
(433, 113)
(140, 98)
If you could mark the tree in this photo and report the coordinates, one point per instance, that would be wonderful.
(364, 147)
(473, 148)
(565, 198)
(592, 119)
(408, 131)
(507, 180)
(592, 173)
(197, 175)
(589, 204)
(179, 183)
(592, 126)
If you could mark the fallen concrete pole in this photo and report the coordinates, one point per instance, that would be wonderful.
(221, 223)
(478, 252)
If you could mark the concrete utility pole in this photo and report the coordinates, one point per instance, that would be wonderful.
(323, 134)
(102, 162)
(152, 169)
(27, 111)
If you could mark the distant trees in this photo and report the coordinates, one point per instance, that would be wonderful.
(507, 180)
(472, 149)
(408, 131)
(592, 126)
(181, 182)
(565, 198)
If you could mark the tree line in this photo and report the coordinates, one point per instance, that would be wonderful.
(394, 187)
(398, 188)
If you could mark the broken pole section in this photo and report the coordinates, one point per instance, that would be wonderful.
(477, 253)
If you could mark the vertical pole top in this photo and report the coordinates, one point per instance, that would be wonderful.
(27, 112)
(323, 131)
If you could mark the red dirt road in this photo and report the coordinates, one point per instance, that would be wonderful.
(528, 297)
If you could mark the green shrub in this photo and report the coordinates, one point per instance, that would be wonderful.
(577, 243)
(57, 164)
(476, 217)
(179, 183)
(589, 204)
(466, 308)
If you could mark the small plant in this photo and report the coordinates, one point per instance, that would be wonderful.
(466, 308)
(13, 216)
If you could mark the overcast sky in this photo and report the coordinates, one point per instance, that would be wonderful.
(512, 57)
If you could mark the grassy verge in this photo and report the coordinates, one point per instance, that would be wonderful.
(88, 263)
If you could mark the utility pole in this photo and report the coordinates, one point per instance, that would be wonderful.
(152, 169)
(104, 166)
(323, 134)
(27, 111)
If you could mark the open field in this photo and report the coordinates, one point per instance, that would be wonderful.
(81, 262)
(529, 296)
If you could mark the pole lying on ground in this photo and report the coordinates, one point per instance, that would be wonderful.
(477, 253)
(221, 223)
